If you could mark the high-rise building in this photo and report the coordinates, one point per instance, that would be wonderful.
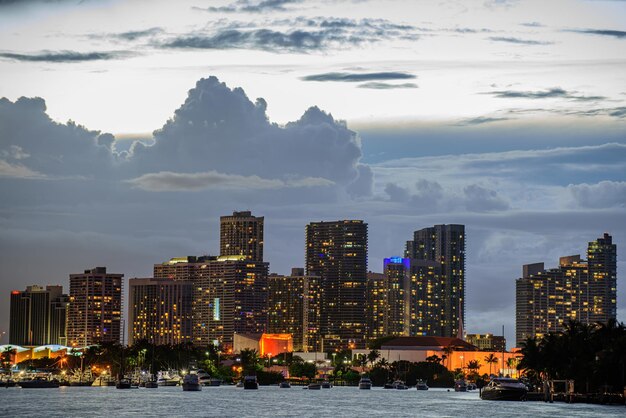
(229, 295)
(242, 235)
(159, 311)
(294, 308)
(337, 253)
(445, 245)
(95, 309)
(406, 300)
(38, 316)
(487, 342)
(576, 290)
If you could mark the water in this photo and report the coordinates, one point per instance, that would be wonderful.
(228, 401)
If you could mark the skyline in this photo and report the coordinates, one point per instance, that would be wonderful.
(505, 116)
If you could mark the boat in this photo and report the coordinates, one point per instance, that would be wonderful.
(250, 382)
(389, 385)
(103, 380)
(471, 386)
(164, 379)
(191, 382)
(399, 384)
(123, 383)
(314, 386)
(39, 383)
(285, 385)
(504, 389)
(203, 377)
(214, 381)
(460, 386)
(365, 383)
(421, 385)
(326, 384)
(151, 384)
(239, 384)
(9, 383)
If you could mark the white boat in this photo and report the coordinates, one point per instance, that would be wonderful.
(204, 377)
(421, 385)
(365, 383)
(191, 382)
(399, 384)
(164, 379)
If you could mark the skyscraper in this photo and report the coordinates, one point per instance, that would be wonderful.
(294, 308)
(576, 290)
(445, 245)
(159, 311)
(95, 308)
(337, 252)
(229, 295)
(242, 235)
(38, 316)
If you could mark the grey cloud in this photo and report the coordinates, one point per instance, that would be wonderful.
(252, 7)
(555, 92)
(138, 34)
(604, 194)
(358, 77)
(167, 181)
(513, 40)
(481, 120)
(619, 112)
(480, 199)
(363, 184)
(532, 24)
(397, 193)
(386, 86)
(601, 32)
(66, 56)
(16, 170)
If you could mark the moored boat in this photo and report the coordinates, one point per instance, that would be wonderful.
(399, 384)
(123, 383)
(460, 386)
(314, 386)
(250, 382)
(284, 385)
(191, 382)
(365, 383)
(39, 383)
(504, 389)
(421, 385)
(151, 384)
(326, 384)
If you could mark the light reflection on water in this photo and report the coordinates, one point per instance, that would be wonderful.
(228, 401)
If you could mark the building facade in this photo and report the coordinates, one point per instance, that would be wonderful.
(445, 245)
(576, 290)
(95, 308)
(487, 342)
(337, 253)
(160, 311)
(242, 235)
(38, 316)
(294, 307)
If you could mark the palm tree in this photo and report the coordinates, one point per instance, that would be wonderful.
(447, 351)
(473, 365)
(512, 362)
(373, 356)
(249, 360)
(491, 359)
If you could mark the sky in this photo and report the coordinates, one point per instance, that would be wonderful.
(128, 127)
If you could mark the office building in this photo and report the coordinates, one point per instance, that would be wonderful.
(242, 235)
(38, 316)
(95, 309)
(337, 253)
(487, 342)
(160, 311)
(576, 290)
(294, 307)
(445, 245)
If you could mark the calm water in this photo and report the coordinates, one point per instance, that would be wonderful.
(228, 401)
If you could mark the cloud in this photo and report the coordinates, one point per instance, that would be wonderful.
(359, 77)
(481, 199)
(555, 92)
(513, 40)
(386, 86)
(66, 56)
(167, 181)
(601, 32)
(604, 194)
(138, 34)
(532, 24)
(481, 120)
(252, 7)
(19, 171)
(300, 34)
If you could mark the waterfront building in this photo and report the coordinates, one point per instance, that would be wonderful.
(294, 307)
(242, 235)
(487, 342)
(159, 311)
(576, 290)
(229, 295)
(444, 245)
(266, 345)
(406, 300)
(38, 316)
(95, 308)
(337, 253)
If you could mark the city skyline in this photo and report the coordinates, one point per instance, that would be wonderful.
(504, 116)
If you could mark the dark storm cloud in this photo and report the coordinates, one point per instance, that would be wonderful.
(66, 56)
(519, 41)
(601, 32)
(386, 86)
(359, 77)
(555, 92)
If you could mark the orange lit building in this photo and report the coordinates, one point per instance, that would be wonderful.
(264, 344)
